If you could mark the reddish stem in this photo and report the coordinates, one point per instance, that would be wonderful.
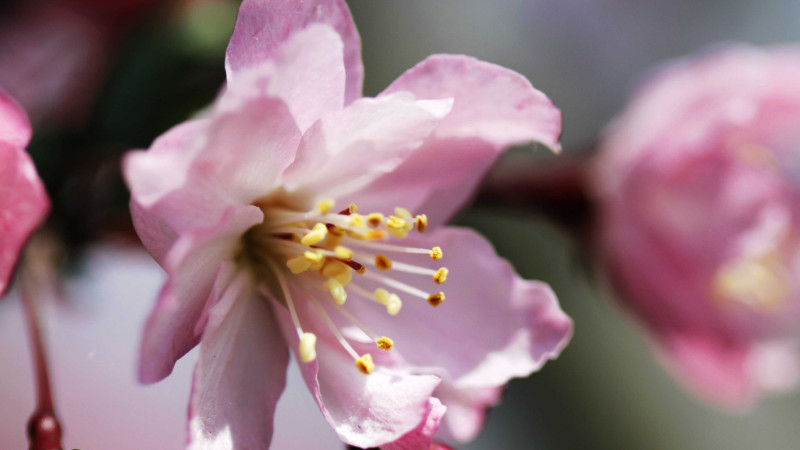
(44, 430)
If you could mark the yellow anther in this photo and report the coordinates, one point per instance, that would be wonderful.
(308, 350)
(441, 275)
(313, 257)
(381, 295)
(436, 253)
(337, 270)
(391, 301)
(375, 219)
(384, 343)
(361, 270)
(356, 220)
(316, 235)
(374, 235)
(436, 299)
(402, 213)
(399, 233)
(352, 208)
(343, 253)
(395, 222)
(393, 305)
(337, 290)
(298, 264)
(382, 262)
(421, 222)
(336, 231)
(365, 364)
(325, 205)
(344, 277)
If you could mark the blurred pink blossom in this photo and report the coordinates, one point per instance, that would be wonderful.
(54, 53)
(23, 200)
(699, 184)
(237, 206)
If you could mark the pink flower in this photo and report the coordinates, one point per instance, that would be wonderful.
(23, 201)
(699, 185)
(250, 208)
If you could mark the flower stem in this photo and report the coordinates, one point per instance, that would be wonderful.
(44, 430)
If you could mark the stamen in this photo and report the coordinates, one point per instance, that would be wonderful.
(436, 299)
(397, 285)
(384, 343)
(337, 290)
(343, 253)
(337, 270)
(308, 351)
(375, 219)
(332, 326)
(288, 297)
(382, 262)
(313, 256)
(402, 213)
(398, 248)
(316, 235)
(365, 364)
(440, 276)
(398, 266)
(436, 253)
(421, 222)
(325, 205)
(391, 301)
(298, 264)
(356, 220)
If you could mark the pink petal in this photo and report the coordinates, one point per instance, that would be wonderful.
(23, 201)
(714, 369)
(307, 73)
(263, 25)
(493, 109)
(521, 323)
(198, 169)
(193, 268)
(15, 129)
(349, 148)
(364, 410)
(420, 438)
(240, 373)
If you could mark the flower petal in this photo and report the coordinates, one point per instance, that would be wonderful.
(23, 201)
(15, 129)
(240, 373)
(364, 410)
(521, 323)
(420, 437)
(263, 25)
(307, 73)
(192, 266)
(348, 148)
(493, 109)
(197, 170)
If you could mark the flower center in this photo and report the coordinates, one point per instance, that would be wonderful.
(755, 281)
(334, 254)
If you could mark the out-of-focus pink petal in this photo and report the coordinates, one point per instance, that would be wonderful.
(51, 59)
(240, 373)
(364, 410)
(349, 148)
(192, 266)
(420, 438)
(711, 367)
(23, 200)
(264, 25)
(466, 410)
(186, 180)
(307, 73)
(493, 109)
(521, 323)
(15, 129)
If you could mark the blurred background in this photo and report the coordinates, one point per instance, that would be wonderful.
(99, 78)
